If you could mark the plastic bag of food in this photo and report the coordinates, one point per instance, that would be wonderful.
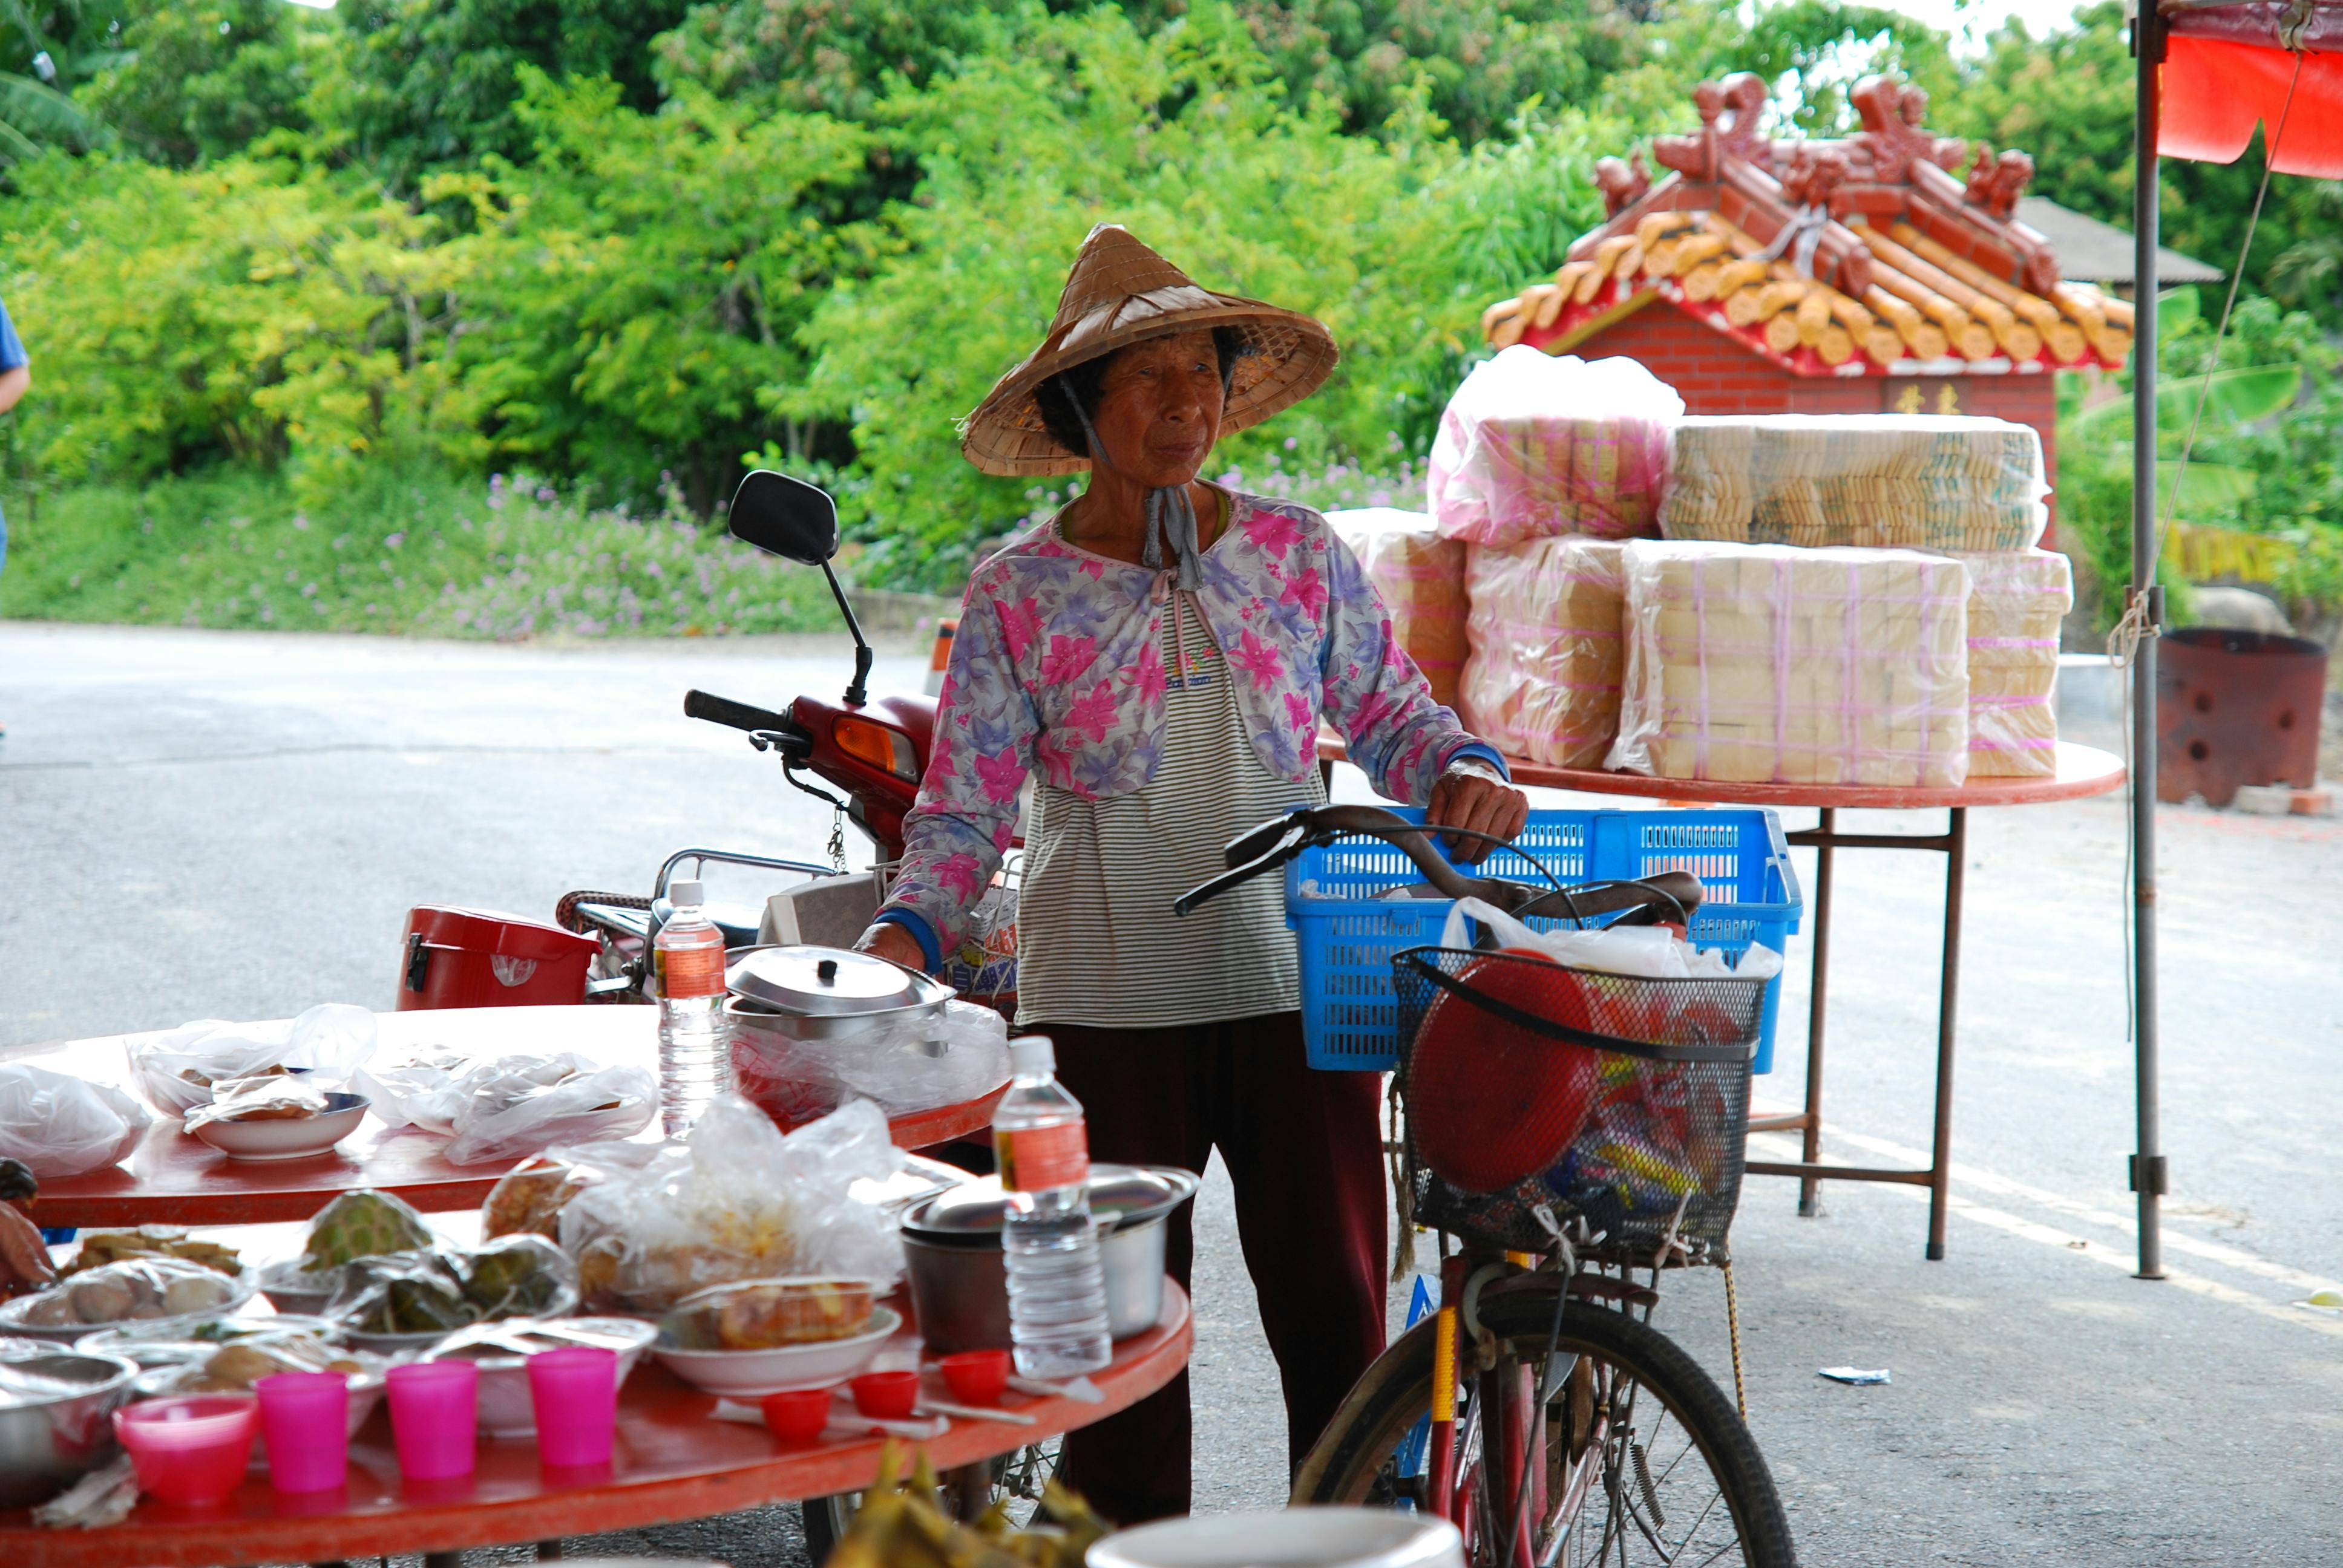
(1650, 952)
(1421, 577)
(136, 1290)
(60, 1125)
(267, 1097)
(362, 1224)
(176, 1071)
(529, 1199)
(1533, 445)
(1938, 482)
(759, 1314)
(510, 1106)
(436, 1290)
(735, 1200)
(905, 1067)
(1548, 652)
(1770, 664)
(99, 1248)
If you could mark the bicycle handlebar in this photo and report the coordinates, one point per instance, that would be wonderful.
(739, 715)
(1276, 842)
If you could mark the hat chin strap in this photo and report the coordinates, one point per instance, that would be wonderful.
(1170, 517)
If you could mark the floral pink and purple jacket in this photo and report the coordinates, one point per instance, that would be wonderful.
(1058, 667)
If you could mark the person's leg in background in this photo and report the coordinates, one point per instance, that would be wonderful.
(1304, 1152)
(1141, 1096)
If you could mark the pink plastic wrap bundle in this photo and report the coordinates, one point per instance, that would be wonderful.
(1421, 577)
(1532, 447)
(2017, 600)
(1542, 680)
(1770, 664)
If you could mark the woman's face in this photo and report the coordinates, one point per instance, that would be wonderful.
(1158, 408)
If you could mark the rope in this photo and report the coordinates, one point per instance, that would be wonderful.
(2135, 626)
(1733, 1328)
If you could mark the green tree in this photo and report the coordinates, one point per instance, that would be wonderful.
(433, 83)
(45, 52)
(198, 79)
(831, 55)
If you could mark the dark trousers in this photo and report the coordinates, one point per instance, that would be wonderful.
(1303, 1150)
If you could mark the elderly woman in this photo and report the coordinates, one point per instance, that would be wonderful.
(1161, 652)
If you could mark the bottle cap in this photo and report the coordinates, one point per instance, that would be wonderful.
(1031, 1053)
(686, 891)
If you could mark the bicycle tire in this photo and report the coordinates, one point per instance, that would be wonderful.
(1349, 1457)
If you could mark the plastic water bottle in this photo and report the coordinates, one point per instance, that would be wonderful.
(1056, 1286)
(695, 1050)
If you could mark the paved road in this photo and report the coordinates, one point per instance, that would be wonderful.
(234, 825)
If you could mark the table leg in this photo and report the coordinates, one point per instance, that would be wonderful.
(443, 1560)
(549, 1552)
(1809, 1186)
(968, 1491)
(1940, 1171)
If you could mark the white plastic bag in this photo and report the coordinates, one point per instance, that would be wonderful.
(734, 1200)
(508, 1106)
(176, 1071)
(60, 1125)
(904, 1067)
(1650, 952)
(1533, 445)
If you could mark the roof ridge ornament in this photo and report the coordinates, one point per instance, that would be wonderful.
(1701, 156)
(1893, 133)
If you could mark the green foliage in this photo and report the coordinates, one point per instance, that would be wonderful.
(403, 548)
(248, 311)
(199, 79)
(47, 50)
(433, 84)
(830, 56)
(636, 286)
(1396, 243)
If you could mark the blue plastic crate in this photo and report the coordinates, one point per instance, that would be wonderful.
(1349, 932)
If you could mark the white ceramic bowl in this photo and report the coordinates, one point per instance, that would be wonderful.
(752, 1374)
(291, 1138)
(506, 1408)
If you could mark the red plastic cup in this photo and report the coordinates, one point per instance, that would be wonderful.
(797, 1416)
(575, 1392)
(887, 1395)
(305, 1418)
(191, 1450)
(433, 1408)
(977, 1377)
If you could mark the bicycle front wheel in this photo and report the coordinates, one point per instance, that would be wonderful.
(1644, 1459)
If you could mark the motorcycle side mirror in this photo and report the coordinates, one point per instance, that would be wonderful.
(786, 517)
(799, 522)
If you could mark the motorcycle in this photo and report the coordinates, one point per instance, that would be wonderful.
(870, 753)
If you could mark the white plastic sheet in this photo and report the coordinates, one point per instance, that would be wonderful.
(176, 1071)
(1649, 952)
(508, 1106)
(905, 1068)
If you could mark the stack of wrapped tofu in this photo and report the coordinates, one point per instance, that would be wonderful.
(1851, 601)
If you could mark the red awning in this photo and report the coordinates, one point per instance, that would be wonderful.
(2228, 68)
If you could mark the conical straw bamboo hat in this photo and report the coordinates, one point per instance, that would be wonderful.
(1120, 293)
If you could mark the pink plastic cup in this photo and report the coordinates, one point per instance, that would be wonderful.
(191, 1450)
(433, 1407)
(575, 1392)
(305, 1418)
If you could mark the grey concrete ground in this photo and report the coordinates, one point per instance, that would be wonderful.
(199, 824)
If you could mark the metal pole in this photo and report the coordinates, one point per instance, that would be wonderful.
(2148, 1164)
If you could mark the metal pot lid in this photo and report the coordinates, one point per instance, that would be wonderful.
(829, 982)
(1122, 1195)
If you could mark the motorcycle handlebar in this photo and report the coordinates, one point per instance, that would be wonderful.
(718, 709)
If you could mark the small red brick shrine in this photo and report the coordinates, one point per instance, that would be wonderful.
(1861, 274)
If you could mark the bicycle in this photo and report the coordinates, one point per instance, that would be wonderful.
(1538, 1408)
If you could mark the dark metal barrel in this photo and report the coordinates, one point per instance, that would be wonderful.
(2236, 708)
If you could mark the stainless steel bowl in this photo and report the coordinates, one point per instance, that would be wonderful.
(960, 1285)
(57, 1411)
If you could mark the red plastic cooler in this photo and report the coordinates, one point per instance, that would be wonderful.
(479, 958)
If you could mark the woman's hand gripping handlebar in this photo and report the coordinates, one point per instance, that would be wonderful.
(1670, 896)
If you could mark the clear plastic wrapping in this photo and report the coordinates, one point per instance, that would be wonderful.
(175, 1071)
(437, 1289)
(157, 1291)
(2017, 602)
(734, 1200)
(59, 1125)
(1548, 657)
(1533, 445)
(1937, 482)
(1766, 664)
(1421, 577)
(508, 1106)
(906, 1068)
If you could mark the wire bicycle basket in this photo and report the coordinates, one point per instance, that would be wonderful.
(1611, 1097)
